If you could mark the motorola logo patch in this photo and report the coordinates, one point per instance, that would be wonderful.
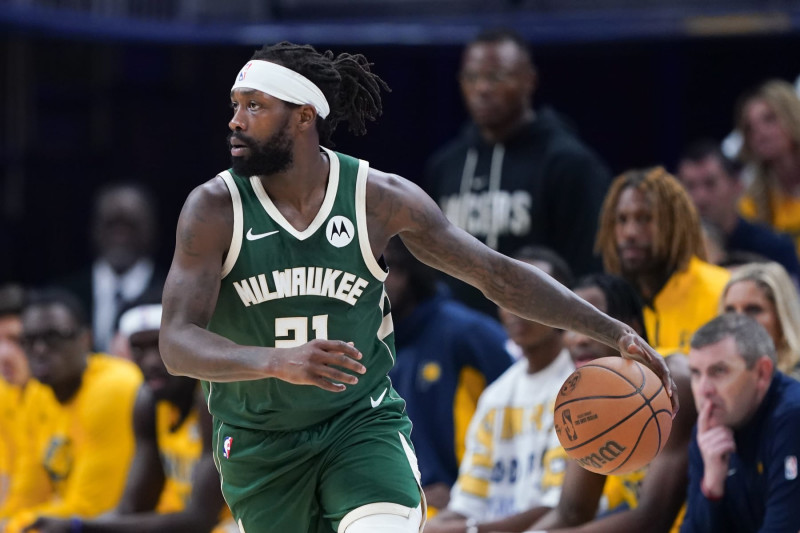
(340, 231)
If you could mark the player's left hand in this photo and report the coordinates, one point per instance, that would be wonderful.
(632, 346)
(48, 525)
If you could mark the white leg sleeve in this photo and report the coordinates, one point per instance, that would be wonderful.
(387, 523)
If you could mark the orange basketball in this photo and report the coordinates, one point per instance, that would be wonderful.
(613, 415)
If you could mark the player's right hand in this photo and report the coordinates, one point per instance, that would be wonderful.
(632, 346)
(322, 363)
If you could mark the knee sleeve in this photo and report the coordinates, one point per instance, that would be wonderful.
(384, 522)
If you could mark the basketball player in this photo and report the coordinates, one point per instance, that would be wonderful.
(645, 500)
(275, 299)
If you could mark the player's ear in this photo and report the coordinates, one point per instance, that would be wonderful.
(307, 116)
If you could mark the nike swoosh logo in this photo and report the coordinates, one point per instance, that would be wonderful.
(376, 403)
(254, 237)
(731, 472)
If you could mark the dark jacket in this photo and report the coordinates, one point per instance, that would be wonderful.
(762, 492)
(542, 186)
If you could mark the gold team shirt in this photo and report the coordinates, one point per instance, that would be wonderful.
(689, 299)
(785, 214)
(74, 458)
(180, 450)
(11, 398)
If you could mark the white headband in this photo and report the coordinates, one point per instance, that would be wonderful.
(141, 318)
(282, 83)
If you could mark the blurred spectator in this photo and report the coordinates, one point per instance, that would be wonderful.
(650, 235)
(173, 486)
(124, 230)
(446, 355)
(769, 118)
(713, 183)
(764, 292)
(645, 500)
(743, 454)
(513, 463)
(515, 176)
(14, 377)
(77, 427)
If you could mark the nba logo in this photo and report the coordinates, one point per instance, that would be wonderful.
(790, 467)
(243, 72)
(226, 447)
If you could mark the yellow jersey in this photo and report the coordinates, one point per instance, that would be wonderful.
(785, 214)
(689, 299)
(74, 457)
(179, 449)
(11, 399)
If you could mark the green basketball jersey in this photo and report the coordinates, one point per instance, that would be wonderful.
(282, 287)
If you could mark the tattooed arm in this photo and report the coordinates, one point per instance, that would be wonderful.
(203, 237)
(396, 206)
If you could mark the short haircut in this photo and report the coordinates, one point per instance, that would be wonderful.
(12, 300)
(622, 300)
(752, 340)
(561, 271)
(701, 149)
(57, 296)
(499, 35)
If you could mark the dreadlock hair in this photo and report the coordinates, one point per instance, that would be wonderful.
(352, 90)
(677, 237)
(622, 300)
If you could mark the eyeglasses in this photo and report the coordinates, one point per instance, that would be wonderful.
(52, 338)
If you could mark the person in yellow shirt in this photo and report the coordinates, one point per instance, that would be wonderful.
(650, 235)
(14, 376)
(76, 433)
(173, 484)
(769, 118)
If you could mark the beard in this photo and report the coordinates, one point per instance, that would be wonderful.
(270, 157)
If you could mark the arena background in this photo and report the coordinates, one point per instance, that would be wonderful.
(97, 91)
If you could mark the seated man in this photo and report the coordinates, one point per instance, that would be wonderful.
(77, 430)
(646, 500)
(714, 183)
(173, 484)
(513, 460)
(743, 454)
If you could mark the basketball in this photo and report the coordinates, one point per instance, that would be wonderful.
(613, 415)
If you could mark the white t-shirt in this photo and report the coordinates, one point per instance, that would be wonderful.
(513, 460)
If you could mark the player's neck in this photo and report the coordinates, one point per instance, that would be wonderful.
(67, 389)
(651, 283)
(300, 190)
(543, 354)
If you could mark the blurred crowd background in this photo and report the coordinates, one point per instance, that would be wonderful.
(99, 91)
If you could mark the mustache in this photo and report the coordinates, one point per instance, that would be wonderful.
(249, 142)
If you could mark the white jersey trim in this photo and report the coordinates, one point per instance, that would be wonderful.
(361, 221)
(324, 210)
(238, 224)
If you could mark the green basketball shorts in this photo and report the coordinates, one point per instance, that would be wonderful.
(309, 481)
